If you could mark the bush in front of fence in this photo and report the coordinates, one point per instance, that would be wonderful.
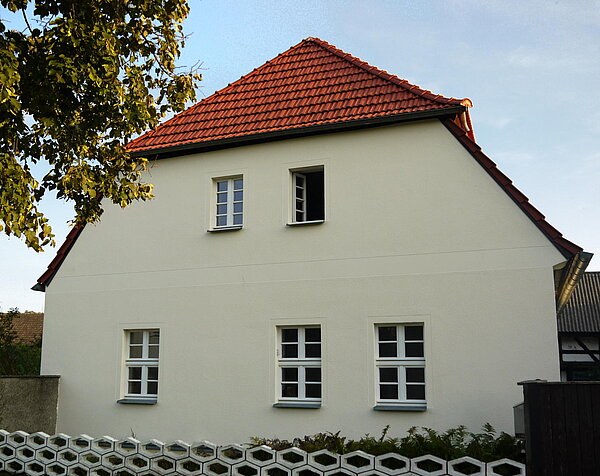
(487, 445)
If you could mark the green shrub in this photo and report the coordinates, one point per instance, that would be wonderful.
(453, 443)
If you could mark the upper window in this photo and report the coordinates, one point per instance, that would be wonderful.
(400, 363)
(229, 202)
(141, 364)
(300, 363)
(308, 195)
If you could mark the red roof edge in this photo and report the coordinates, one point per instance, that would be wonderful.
(46, 278)
(387, 76)
(564, 246)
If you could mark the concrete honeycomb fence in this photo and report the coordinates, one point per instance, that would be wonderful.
(38, 454)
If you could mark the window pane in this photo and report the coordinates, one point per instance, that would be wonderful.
(289, 351)
(289, 335)
(222, 221)
(289, 374)
(289, 390)
(238, 196)
(312, 350)
(222, 197)
(415, 374)
(312, 334)
(135, 351)
(299, 181)
(153, 352)
(312, 374)
(415, 392)
(388, 374)
(413, 333)
(388, 392)
(414, 349)
(135, 373)
(387, 333)
(222, 186)
(313, 390)
(299, 216)
(152, 373)
(136, 337)
(222, 209)
(300, 205)
(238, 207)
(238, 219)
(135, 388)
(388, 350)
(238, 184)
(152, 388)
(154, 335)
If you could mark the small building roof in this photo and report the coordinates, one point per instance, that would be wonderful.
(582, 312)
(28, 327)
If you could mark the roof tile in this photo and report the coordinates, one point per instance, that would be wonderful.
(312, 83)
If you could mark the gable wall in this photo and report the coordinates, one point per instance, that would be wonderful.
(415, 232)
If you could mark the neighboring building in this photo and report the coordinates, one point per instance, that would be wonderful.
(28, 327)
(328, 249)
(579, 331)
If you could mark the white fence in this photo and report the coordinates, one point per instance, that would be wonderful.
(38, 454)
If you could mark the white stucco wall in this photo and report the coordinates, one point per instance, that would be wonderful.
(415, 231)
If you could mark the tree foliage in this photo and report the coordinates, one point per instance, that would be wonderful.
(76, 84)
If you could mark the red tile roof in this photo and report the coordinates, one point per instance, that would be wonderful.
(312, 83)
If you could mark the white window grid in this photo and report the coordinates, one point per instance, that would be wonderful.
(229, 205)
(301, 363)
(144, 356)
(299, 181)
(400, 362)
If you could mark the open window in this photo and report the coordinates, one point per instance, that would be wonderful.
(308, 201)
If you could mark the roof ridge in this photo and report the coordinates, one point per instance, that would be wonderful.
(425, 93)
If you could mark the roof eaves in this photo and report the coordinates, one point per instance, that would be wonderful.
(294, 132)
(45, 279)
(567, 248)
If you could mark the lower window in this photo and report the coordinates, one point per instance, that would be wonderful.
(299, 358)
(400, 363)
(141, 364)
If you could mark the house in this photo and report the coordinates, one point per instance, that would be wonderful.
(579, 331)
(329, 249)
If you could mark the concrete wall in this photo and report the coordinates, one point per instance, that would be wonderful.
(415, 231)
(29, 403)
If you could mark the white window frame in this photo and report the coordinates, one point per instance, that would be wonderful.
(301, 363)
(229, 204)
(299, 195)
(144, 362)
(401, 362)
(294, 188)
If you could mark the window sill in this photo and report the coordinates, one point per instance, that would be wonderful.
(306, 223)
(137, 401)
(225, 228)
(313, 405)
(419, 407)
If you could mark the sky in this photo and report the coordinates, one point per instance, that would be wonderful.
(532, 70)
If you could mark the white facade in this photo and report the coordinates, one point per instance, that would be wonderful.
(415, 231)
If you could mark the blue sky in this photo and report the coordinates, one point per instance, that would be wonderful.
(531, 69)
